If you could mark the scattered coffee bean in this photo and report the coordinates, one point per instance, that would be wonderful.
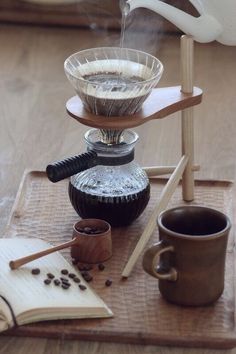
(87, 230)
(64, 279)
(88, 278)
(80, 266)
(108, 282)
(47, 281)
(76, 280)
(84, 273)
(50, 275)
(85, 267)
(56, 282)
(101, 266)
(64, 271)
(71, 275)
(88, 267)
(35, 271)
(82, 287)
(65, 286)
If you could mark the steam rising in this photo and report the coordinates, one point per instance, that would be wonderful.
(143, 29)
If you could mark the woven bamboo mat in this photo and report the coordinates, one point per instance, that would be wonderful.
(141, 315)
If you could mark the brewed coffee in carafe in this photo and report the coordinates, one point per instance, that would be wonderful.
(117, 190)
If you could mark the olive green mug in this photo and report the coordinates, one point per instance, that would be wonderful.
(189, 259)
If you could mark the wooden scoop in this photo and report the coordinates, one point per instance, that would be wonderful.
(85, 247)
(21, 261)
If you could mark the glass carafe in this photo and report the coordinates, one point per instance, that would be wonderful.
(116, 189)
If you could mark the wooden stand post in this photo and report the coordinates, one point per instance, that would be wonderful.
(187, 53)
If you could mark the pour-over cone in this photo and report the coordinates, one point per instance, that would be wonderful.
(113, 81)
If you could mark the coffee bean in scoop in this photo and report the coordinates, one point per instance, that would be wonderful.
(88, 230)
(47, 281)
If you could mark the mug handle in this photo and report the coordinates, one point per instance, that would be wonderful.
(150, 261)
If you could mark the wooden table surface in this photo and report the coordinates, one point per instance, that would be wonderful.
(35, 129)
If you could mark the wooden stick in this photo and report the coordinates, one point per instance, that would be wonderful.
(164, 199)
(164, 170)
(187, 55)
(21, 261)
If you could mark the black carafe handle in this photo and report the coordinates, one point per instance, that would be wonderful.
(60, 170)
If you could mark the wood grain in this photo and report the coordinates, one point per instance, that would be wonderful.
(35, 130)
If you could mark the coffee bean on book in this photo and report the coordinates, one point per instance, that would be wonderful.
(76, 280)
(65, 286)
(90, 230)
(47, 281)
(71, 275)
(50, 275)
(35, 271)
(57, 282)
(64, 279)
(64, 271)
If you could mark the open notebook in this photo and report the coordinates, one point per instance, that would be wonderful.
(24, 298)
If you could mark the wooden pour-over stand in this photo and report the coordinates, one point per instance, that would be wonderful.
(161, 103)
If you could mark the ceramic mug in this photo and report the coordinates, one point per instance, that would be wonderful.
(189, 260)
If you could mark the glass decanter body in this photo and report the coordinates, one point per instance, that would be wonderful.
(117, 189)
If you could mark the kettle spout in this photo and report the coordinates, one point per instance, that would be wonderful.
(203, 29)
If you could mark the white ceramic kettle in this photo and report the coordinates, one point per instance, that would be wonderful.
(217, 20)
